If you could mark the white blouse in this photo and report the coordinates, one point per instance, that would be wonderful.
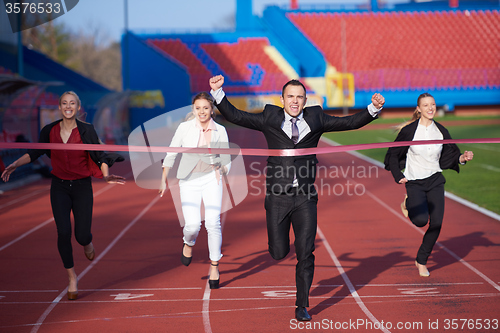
(422, 161)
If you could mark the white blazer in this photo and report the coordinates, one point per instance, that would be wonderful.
(187, 135)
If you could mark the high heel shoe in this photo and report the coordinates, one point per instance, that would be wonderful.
(423, 274)
(214, 284)
(72, 295)
(185, 260)
(90, 255)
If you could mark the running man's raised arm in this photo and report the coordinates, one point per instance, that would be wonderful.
(230, 112)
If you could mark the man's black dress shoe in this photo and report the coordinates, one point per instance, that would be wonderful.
(301, 314)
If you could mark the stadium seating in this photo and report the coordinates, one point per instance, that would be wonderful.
(179, 51)
(18, 115)
(246, 66)
(4, 70)
(409, 50)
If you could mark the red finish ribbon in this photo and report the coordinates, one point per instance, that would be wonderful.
(235, 151)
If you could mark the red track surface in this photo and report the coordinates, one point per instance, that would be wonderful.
(365, 271)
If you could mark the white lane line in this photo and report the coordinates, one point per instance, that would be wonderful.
(447, 194)
(407, 221)
(282, 287)
(432, 295)
(254, 287)
(23, 198)
(349, 284)
(28, 291)
(27, 233)
(190, 313)
(451, 253)
(472, 205)
(418, 284)
(143, 289)
(206, 295)
(490, 167)
(156, 316)
(482, 146)
(93, 263)
(43, 224)
(196, 300)
(206, 309)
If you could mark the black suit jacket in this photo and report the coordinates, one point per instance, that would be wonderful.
(395, 158)
(281, 170)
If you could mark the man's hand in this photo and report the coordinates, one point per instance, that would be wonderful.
(216, 82)
(378, 100)
(403, 180)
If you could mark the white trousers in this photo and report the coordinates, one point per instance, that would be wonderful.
(192, 192)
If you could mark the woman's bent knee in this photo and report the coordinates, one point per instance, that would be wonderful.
(419, 221)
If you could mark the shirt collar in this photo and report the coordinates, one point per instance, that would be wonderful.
(288, 117)
(431, 126)
(211, 124)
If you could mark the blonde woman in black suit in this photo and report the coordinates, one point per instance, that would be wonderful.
(423, 164)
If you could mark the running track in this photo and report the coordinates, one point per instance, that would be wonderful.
(365, 273)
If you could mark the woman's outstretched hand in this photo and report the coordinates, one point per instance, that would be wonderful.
(163, 188)
(8, 170)
(114, 179)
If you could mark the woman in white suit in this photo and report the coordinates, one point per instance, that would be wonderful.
(200, 178)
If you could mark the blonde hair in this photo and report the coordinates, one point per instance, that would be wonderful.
(416, 114)
(72, 93)
(206, 96)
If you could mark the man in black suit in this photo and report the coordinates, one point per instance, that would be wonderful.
(291, 198)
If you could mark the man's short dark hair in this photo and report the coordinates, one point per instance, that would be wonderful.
(292, 83)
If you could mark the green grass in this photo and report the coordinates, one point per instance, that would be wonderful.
(478, 181)
(446, 118)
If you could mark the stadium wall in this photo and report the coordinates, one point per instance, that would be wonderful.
(150, 70)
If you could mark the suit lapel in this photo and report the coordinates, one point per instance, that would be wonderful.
(275, 118)
(214, 140)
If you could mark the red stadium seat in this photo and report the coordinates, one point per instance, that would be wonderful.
(178, 50)
(235, 58)
(411, 42)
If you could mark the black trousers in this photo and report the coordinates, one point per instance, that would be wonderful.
(300, 211)
(425, 203)
(67, 196)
